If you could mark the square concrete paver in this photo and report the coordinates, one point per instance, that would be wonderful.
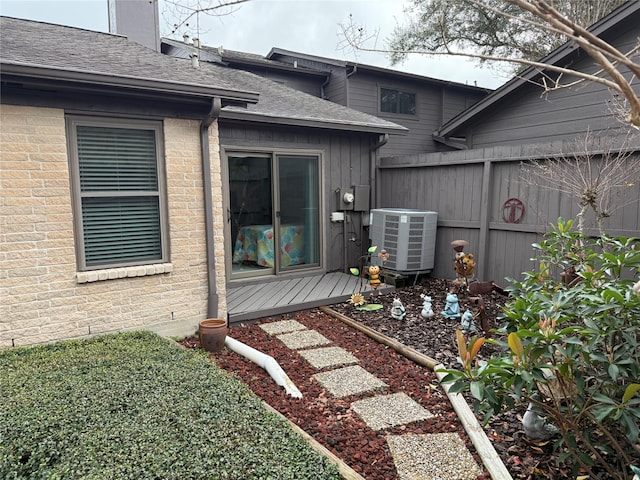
(328, 357)
(303, 339)
(346, 381)
(275, 328)
(441, 456)
(384, 411)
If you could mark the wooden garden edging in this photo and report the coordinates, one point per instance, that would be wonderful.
(481, 442)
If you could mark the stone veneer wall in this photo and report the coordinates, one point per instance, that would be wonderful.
(42, 296)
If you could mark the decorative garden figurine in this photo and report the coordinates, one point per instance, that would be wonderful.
(373, 272)
(463, 263)
(535, 426)
(427, 311)
(467, 325)
(452, 308)
(357, 299)
(397, 310)
(374, 276)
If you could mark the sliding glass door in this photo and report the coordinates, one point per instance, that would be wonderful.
(273, 212)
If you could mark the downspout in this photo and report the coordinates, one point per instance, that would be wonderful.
(323, 94)
(373, 173)
(352, 72)
(212, 296)
(266, 362)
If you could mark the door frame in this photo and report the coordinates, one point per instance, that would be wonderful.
(229, 150)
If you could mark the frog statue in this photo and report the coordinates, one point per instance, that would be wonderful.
(452, 307)
(397, 310)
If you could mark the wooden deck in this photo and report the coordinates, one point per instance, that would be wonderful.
(257, 300)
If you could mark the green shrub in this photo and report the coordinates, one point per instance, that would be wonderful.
(135, 406)
(573, 336)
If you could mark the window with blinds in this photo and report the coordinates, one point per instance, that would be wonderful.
(118, 194)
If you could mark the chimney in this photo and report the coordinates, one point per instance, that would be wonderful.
(138, 20)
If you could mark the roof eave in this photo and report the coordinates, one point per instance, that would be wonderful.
(302, 122)
(371, 68)
(231, 60)
(125, 82)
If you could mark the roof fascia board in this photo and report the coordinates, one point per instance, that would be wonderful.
(330, 61)
(421, 78)
(562, 52)
(372, 68)
(127, 82)
(284, 67)
(333, 125)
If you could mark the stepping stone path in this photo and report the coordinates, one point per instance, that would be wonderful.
(441, 456)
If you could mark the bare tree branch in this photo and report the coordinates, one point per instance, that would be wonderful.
(598, 174)
(196, 10)
(610, 59)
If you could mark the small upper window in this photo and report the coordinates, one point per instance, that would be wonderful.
(395, 101)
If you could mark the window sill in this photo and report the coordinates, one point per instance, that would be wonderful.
(123, 272)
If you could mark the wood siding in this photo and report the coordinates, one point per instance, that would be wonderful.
(346, 162)
(336, 90)
(434, 105)
(468, 189)
(530, 116)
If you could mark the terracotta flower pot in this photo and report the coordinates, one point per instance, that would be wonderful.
(213, 333)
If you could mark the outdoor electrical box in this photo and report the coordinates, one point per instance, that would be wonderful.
(354, 198)
(346, 198)
(361, 201)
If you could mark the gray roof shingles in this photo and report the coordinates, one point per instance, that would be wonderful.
(73, 50)
(49, 46)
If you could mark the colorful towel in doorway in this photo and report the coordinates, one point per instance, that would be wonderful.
(254, 243)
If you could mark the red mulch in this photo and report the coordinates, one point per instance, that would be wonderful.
(329, 420)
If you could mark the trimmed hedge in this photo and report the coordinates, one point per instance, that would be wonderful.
(135, 406)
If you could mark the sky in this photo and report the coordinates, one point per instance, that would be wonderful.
(306, 26)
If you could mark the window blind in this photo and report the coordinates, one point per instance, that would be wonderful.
(118, 172)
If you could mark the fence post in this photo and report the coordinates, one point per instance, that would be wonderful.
(483, 234)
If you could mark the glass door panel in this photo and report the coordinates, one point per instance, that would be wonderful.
(297, 213)
(251, 214)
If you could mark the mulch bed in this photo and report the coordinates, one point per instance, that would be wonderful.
(330, 420)
(435, 337)
(333, 424)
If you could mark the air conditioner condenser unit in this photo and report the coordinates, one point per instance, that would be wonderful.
(408, 236)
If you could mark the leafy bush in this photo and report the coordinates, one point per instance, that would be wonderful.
(572, 349)
(135, 406)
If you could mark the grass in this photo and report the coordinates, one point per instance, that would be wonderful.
(136, 406)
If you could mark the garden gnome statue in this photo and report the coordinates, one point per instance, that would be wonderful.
(397, 310)
(467, 324)
(427, 311)
(452, 308)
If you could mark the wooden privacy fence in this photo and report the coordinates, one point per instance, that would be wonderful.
(480, 197)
